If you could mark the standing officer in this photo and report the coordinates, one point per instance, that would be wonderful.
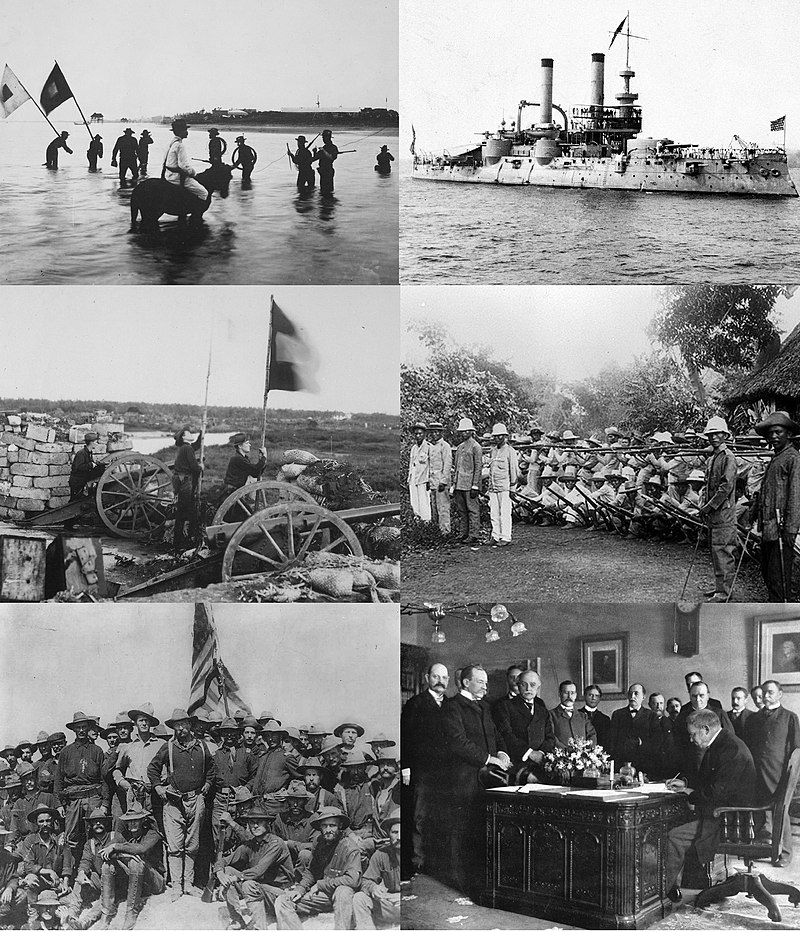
(719, 507)
(185, 482)
(143, 150)
(326, 156)
(94, 152)
(440, 475)
(217, 147)
(467, 482)
(779, 505)
(190, 774)
(128, 150)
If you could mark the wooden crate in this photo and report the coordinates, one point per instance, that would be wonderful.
(22, 568)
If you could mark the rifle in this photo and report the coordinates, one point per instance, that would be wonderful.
(570, 505)
(599, 510)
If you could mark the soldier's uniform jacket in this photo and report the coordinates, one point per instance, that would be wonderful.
(441, 463)
(333, 866)
(36, 855)
(91, 862)
(780, 488)
(266, 860)
(468, 465)
(721, 487)
(419, 463)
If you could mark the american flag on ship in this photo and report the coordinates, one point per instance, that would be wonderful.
(779, 124)
(213, 687)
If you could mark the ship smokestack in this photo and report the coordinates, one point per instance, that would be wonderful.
(546, 105)
(596, 90)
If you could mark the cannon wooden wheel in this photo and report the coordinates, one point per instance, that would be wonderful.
(280, 536)
(134, 495)
(256, 496)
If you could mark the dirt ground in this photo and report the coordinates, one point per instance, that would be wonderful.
(556, 564)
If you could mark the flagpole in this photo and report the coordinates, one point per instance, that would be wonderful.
(266, 378)
(38, 107)
(79, 108)
(205, 412)
(221, 677)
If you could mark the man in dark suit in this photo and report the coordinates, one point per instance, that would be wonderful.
(739, 714)
(569, 722)
(525, 727)
(694, 677)
(686, 755)
(472, 743)
(601, 722)
(726, 778)
(772, 734)
(635, 733)
(424, 763)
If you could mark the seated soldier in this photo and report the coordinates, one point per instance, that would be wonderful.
(84, 907)
(378, 900)
(48, 911)
(30, 797)
(314, 773)
(46, 858)
(13, 791)
(12, 896)
(257, 871)
(135, 852)
(234, 829)
(294, 825)
(331, 878)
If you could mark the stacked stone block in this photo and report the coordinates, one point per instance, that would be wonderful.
(35, 468)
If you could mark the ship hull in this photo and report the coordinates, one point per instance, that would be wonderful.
(761, 177)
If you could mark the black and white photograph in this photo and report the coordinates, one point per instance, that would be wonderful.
(214, 445)
(225, 766)
(545, 801)
(599, 143)
(601, 443)
(162, 145)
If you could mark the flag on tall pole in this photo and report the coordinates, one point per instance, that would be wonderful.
(213, 687)
(12, 93)
(618, 30)
(413, 148)
(777, 125)
(293, 362)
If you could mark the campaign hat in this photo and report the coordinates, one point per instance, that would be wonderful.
(24, 769)
(355, 758)
(56, 736)
(180, 123)
(238, 438)
(266, 716)
(330, 812)
(178, 435)
(311, 763)
(213, 131)
(136, 811)
(228, 724)
(250, 721)
(81, 718)
(317, 729)
(273, 725)
(340, 728)
(777, 419)
(329, 743)
(385, 756)
(97, 814)
(34, 814)
(257, 814)
(42, 738)
(47, 898)
(179, 715)
(145, 710)
(381, 738)
(242, 795)
(296, 790)
(299, 138)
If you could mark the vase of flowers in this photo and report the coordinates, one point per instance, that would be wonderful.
(581, 763)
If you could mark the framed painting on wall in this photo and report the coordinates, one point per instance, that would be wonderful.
(777, 652)
(604, 662)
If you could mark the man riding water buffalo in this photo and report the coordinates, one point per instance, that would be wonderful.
(178, 168)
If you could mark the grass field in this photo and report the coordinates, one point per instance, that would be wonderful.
(374, 452)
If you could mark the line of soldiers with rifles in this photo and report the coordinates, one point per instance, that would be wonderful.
(284, 821)
(698, 486)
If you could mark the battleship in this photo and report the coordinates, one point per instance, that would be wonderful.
(598, 147)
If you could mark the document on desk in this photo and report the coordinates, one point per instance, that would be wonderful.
(611, 796)
(531, 788)
(649, 789)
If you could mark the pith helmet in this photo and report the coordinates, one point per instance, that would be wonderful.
(465, 424)
(696, 475)
(778, 419)
(499, 430)
(568, 435)
(716, 425)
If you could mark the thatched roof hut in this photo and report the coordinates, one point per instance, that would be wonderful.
(776, 383)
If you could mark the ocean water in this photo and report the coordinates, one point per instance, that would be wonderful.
(495, 234)
(73, 227)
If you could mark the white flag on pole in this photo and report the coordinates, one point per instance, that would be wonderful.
(12, 93)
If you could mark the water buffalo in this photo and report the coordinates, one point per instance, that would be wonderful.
(155, 197)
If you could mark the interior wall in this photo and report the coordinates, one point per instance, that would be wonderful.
(554, 632)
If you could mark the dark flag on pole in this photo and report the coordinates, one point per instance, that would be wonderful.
(55, 91)
(779, 124)
(618, 30)
(293, 362)
(413, 140)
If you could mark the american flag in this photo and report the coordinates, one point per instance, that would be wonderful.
(213, 687)
(779, 124)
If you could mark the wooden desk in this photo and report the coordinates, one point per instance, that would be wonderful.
(587, 862)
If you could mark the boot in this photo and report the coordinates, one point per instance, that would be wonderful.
(108, 905)
(134, 904)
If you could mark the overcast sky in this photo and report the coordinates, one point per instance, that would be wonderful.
(570, 331)
(327, 664)
(707, 70)
(153, 57)
(151, 344)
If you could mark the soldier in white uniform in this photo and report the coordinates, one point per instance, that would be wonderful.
(419, 474)
(440, 476)
(503, 476)
(178, 168)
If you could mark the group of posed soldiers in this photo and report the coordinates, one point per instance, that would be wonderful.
(696, 486)
(455, 746)
(284, 822)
